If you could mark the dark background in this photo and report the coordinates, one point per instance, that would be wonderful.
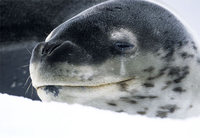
(24, 23)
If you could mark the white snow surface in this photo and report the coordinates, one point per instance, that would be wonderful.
(24, 118)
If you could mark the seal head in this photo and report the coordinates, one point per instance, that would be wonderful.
(117, 55)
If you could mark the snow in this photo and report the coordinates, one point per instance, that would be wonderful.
(24, 118)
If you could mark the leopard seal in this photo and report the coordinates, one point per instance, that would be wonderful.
(130, 56)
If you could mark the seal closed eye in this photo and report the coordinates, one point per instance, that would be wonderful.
(125, 56)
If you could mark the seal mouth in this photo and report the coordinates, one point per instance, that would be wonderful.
(88, 86)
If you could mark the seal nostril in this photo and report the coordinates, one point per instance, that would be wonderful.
(43, 51)
(49, 48)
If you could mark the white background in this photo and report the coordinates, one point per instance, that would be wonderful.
(189, 10)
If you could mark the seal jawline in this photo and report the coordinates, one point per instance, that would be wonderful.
(88, 86)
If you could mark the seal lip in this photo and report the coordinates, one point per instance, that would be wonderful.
(88, 86)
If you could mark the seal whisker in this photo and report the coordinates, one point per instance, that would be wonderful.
(28, 51)
(24, 66)
(31, 90)
(28, 88)
(27, 80)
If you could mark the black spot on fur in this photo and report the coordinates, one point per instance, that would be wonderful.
(186, 55)
(145, 97)
(124, 98)
(123, 86)
(179, 89)
(141, 112)
(67, 71)
(165, 87)
(90, 79)
(155, 77)
(169, 55)
(120, 111)
(164, 69)
(132, 101)
(150, 69)
(178, 73)
(52, 89)
(169, 49)
(161, 114)
(169, 108)
(168, 83)
(182, 43)
(165, 110)
(194, 46)
(128, 100)
(178, 80)
(198, 60)
(185, 42)
(161, 73)
(148, 85)
(174, 71)
(112, 104)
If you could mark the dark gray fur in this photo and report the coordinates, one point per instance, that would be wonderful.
(77, 34)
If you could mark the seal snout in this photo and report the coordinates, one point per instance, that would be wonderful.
(61, 51)
(44, 49)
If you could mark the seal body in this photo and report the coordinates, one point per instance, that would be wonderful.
(129, 56)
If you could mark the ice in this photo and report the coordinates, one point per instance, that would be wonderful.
(23, 118)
